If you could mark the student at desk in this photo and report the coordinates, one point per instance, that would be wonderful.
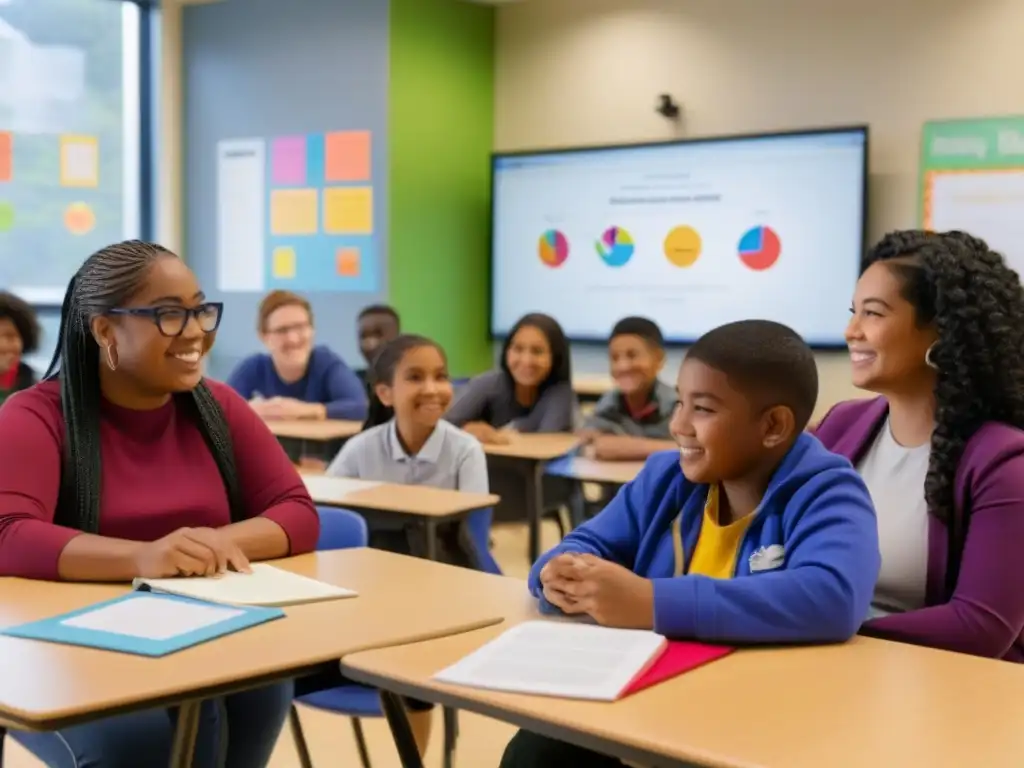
(128, 463)
(631, 422)
(19, 336)
(377, 325)
(296, 380)
(752, 532)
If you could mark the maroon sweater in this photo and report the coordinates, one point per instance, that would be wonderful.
(157, 476)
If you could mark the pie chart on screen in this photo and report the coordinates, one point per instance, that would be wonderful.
(760, 248)
(615, 247)
(553, 248)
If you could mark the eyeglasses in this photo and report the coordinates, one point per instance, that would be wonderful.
(171, 321)
(284, 330)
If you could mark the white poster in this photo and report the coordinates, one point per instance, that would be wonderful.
(240, 215)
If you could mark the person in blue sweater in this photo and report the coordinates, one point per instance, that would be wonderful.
(296, 380)
(752, 532)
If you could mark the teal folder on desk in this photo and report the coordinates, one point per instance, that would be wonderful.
(145, 624)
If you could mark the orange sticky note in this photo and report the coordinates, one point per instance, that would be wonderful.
(348, 210)
(347, 262)
(347, 156)
(293, 211)
(6, 156)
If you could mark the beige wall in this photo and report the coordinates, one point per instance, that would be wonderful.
(588, 71)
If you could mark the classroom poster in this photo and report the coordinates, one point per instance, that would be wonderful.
(972, 179)
(297, 212)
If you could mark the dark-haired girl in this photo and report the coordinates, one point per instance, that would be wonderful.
(125, 462)
(938, 331)
(530, 392)
(406, 440)
(19, 336)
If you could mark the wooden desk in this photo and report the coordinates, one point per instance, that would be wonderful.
(864, 704)
(606, 473)
(427, 506)
(314, 431)
(527, 455)
(591, 387)
(45, 686)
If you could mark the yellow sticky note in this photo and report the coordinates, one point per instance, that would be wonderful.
(284, 262)
(293, 212)
(348, 210)
(79, 161)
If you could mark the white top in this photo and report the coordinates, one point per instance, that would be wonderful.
(895, 477)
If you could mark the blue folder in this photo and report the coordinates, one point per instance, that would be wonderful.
(56, 630)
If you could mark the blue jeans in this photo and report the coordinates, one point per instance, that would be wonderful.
(145, 738)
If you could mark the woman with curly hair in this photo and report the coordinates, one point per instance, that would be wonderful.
(19, 336)
(938, 331)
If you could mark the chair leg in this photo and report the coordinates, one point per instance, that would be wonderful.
(364, 753)
(300, 738)
(3, 738)
(451, 735)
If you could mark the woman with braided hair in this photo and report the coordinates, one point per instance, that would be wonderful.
(938, 331)
(125, 462)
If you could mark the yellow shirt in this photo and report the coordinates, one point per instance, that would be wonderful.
(717, 545)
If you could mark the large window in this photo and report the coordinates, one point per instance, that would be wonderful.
(70, 75)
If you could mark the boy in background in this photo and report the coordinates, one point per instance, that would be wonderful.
(376, 325)
(631, 421)
(751, 532)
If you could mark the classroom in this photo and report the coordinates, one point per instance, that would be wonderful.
(390, 200)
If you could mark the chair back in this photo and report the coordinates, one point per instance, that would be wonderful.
(341, 529)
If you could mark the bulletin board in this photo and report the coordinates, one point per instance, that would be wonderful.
(297, 212)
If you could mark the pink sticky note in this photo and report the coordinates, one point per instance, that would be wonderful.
(289, 160)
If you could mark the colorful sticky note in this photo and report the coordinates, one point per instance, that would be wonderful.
(293, 212)
(346, 262)
(79, 219)
(284, 262)
(79, 161)
(288, 160)
(348, 210)
(347, 156)
(6, 216)
(6, 156)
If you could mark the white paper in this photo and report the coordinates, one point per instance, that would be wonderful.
(550, 658)
(81, 162)
(240, 214)
(152, 618)
(324, 488)
(266, 585)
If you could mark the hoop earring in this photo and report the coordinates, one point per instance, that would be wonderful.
(928, 357)
(111, 362)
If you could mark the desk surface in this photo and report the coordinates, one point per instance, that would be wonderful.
(607, 472)
(308, 429)
(534, 447)
(858, 705)
(592, 385)
(419, 500)
(401, 599)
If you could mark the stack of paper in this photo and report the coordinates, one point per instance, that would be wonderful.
(266, 585)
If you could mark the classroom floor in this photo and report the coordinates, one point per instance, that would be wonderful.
(481, 740)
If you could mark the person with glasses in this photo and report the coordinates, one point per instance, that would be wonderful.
(125, 462)
(296, 380)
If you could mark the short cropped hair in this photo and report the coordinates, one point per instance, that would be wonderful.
(18, 311)
(767, 361)
(274, 300)
(646, 329)
(380, 309)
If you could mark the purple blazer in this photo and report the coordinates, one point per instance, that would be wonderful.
(985, 616)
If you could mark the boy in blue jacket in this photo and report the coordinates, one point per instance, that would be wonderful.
(751, 532)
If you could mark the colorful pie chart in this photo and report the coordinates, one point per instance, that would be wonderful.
(615, 247)
(553, 248)
(760, 248)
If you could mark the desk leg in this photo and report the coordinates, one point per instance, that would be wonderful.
(534, 506)
(430, 529)
(401, 731)
(185, 734)
(3, 738)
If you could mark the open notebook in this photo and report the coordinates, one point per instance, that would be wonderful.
(577, 661)
(266, 585)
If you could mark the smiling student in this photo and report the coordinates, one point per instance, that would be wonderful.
(19, 336)
(750, 532)
(296, 380)
(376, 325)
(631, 421)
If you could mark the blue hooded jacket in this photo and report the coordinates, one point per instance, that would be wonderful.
(805, 570)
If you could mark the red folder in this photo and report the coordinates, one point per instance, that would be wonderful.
(677, 658)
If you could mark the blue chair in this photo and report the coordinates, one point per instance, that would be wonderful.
(344, 529)
(479, 525)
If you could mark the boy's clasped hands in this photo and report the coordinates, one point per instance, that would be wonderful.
(611, 595)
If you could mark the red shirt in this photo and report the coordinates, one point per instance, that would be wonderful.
(157, 476)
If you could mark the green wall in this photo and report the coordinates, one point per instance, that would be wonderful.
(440, 138)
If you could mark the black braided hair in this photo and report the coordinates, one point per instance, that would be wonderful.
(382, 371)
(106, 280)
(976, 303)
